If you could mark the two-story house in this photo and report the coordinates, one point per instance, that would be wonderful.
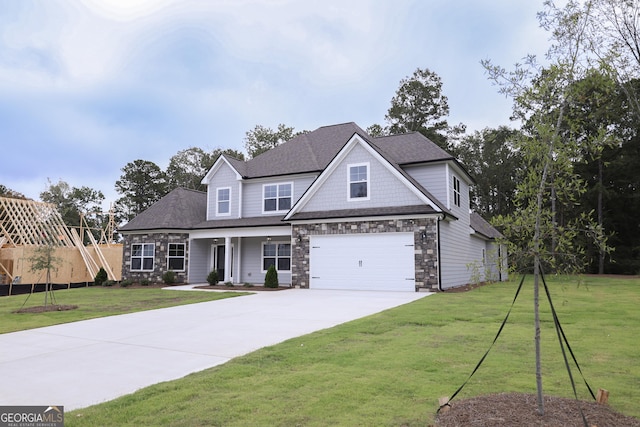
(331, 209)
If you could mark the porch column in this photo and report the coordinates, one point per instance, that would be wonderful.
(227, 259)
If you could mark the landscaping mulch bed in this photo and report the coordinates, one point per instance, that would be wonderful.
(45, 309)
(241, 288)
(519, 409)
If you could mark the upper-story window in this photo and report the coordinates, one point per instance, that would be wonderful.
(277, 197)
(456, 191)
(223, 206)
(358, 181)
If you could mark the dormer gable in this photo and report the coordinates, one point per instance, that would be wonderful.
(222, 160)
(358, 179)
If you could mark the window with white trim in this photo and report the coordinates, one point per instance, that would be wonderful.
(277, 197)
(358, 181)
(176, 256)
(278, 254)
(142, 255)
(223, 202)
(456, 191)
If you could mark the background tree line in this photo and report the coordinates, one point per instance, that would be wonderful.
(582, 109)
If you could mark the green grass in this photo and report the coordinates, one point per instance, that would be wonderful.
(390, 369)
(94, 302)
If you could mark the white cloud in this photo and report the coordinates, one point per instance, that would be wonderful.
(104, 82)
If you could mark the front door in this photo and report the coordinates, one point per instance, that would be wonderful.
(220, 262)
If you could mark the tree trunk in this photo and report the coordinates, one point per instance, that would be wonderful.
(554, 219)
(601, 255)
(536, 317)
(46, 287)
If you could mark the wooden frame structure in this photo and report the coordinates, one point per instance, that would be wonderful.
(27, 224)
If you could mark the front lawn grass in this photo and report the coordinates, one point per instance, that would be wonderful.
(94, 302)
(390, 369)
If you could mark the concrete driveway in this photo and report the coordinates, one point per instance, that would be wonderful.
(83, 363)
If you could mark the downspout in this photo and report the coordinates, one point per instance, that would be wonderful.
(438, 219)
(499, 263)
(240, 198)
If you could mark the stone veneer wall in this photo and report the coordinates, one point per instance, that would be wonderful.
(426, 249)
(161, 241)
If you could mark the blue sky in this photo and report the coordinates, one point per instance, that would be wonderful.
(89, 86)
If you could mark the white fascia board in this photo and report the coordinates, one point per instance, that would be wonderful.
(368, 218)
(157, 231)
(215, 167)
(218, 233)
(448, 184)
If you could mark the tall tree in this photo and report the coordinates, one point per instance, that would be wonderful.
(187, 167)
(612, 36)
(591, 120)
(74, 203)
(492, 159)
(420, 106)
(615, 166)
(376, 130)
(261, 138)
(10, 194)
(141, 184)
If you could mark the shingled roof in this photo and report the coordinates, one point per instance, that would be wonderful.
(313, 151)
(480, 226)
(181, 209)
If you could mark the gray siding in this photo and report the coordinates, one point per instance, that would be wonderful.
(251, 268)
(385, 188)
(492, 267)
(458, 252)
(252, 193)
(199, 260)
(431, 177)
(224, 177)
(462, 210)
(454, 246)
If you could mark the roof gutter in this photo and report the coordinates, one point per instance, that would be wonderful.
(440, 263)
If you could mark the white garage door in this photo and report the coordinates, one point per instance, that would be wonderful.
(376, 261)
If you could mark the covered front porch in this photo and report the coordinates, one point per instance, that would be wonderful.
(240, 254)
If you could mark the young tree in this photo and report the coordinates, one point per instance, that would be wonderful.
(261, 138)
(44, 259)
(549, 174)
(141, 184)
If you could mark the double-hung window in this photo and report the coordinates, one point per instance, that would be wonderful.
(277, 254)
(142, 255)
(176, 256)
(277, 197)
(223, 206)
(456, 191)
(358, 181)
